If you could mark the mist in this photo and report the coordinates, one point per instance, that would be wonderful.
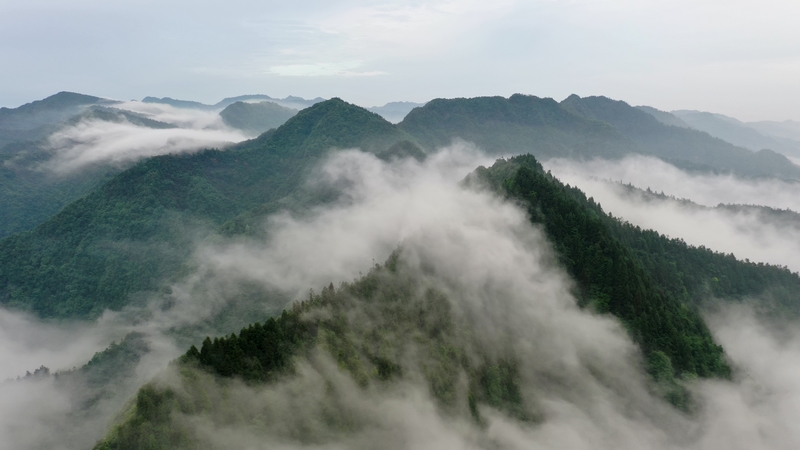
(756, 234)
(581, 370)
(91, 141)
(702, 188)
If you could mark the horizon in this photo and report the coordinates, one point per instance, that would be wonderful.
(214, 102)
(735, 59)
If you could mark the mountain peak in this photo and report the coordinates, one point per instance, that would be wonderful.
(335, 123)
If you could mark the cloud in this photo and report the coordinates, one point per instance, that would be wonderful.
(758, 235)
(91, 141)
(709, 190)
(581, 370)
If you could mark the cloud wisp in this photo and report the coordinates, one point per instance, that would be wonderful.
(758, 234)
(709, 190)
(91, 141)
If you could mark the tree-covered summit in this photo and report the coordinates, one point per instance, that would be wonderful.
(515, 125)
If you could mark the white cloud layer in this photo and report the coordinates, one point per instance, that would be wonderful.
(92, 141)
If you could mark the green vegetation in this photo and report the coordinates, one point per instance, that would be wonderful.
(518, 124)
(139, 228)
(379, 329)
(30, 195)
(591, 127)
(256, 118)
(608, 274)
(390, 325)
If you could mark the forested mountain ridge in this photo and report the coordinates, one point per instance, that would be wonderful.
(677, 144)
(137, 229)
(382, 329)
(516, 125)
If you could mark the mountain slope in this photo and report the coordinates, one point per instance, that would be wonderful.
(736, 132)
(29, 195)
(139, 228)
(679, 144)
(519, 124)
(256, 118)
(35, 120)
(664, 117)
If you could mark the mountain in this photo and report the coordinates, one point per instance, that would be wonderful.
(788, 129)
(664, 117)
(680, 145)
(291, 102)
(29, 195)
(176, 103)
(35, 120)
(736, 132)
(311, 374)
(395, 111)
(117, 115)
(256, 118)
(517, 125)
(139, 228)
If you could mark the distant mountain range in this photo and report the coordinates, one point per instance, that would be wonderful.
(287, 102)
(782, 137)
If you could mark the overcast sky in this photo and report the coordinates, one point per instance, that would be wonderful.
(736, 57)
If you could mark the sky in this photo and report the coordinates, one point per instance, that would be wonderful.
(736, 57)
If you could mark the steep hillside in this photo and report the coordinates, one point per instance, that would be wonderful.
(519, 124)
(139, 228)
(680, 144)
